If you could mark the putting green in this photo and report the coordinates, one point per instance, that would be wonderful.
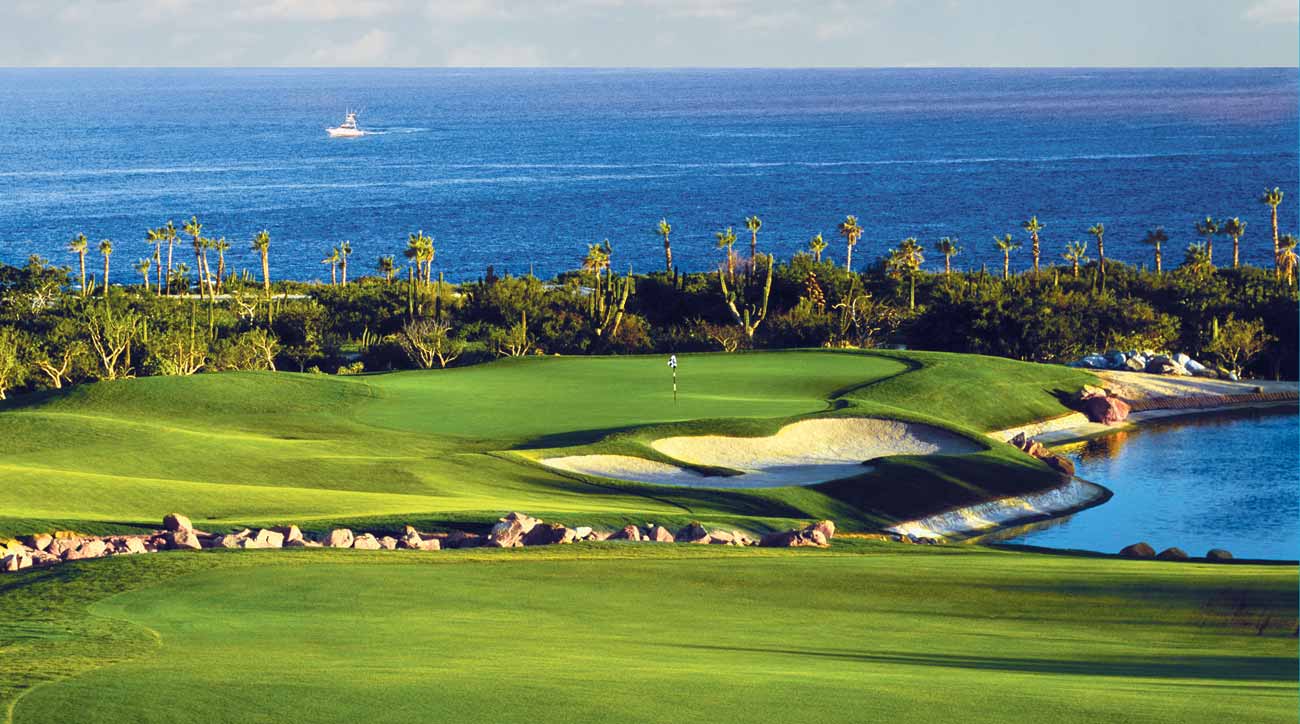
(657, 633)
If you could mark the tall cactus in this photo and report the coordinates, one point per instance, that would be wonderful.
(748, 314)
(605, 304)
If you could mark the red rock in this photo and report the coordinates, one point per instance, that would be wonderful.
(1138, 550)
(1172, 554)
(1106, 410)
(510, 531)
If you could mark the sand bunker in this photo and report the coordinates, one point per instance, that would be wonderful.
(802, 453)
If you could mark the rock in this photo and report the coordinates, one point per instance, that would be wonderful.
(1116, 360)
(176, 521)
(270, 539)
(794, 539)
(1093, 361)
(339, 538)
(61, 546)
(461, 539)
(433, 544)
(132, 545)
(1138, 550)
(290, 532)
(693, 533)
(249, 543)
(1088, 392)
(1196, 368)
(183, 538)
(15, 562)
(599, 535)
(549, 534)
(659, 534)
(1206, 372)
(1136, 363)
(1061, 464)
(411, 541)
(827, 527)
(365, 542)
(1218, 554)
(1020, 440)
(409, 530)
(1161, 365)
(41, 559)
(388, 543)
(720, 537)
(628, 532)
(582, 532)
(89, 548)
(226, 541)
(1106, 410)
(510, 531)
(1172, 554)
(39, 541)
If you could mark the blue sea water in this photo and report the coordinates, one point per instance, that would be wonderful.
(522, 168)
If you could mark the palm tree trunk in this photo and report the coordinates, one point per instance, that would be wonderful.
(1277, 265)
(221, 271)
(1101, 256)
(345, 271)
(668, 255)
(1076, 268)
(157, 260)
(82, 258)
(266, 273)
(911, 292)
(170, 244)
(1236, 251)
(1036, 252)
(848, 259)
(1006, 265)
(334, 277)
(753, 246)
(106, 275)
(947, 265)
(1158, 269)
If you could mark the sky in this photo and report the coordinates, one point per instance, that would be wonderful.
(650, 33)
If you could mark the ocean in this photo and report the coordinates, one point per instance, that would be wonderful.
(521, 169)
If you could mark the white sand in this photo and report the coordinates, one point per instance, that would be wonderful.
(1142, 386)
(803, 453)
(985, 517)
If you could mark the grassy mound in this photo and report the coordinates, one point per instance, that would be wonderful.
(649, 633)
(433, 447)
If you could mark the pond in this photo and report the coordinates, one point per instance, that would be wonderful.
(1226, 480)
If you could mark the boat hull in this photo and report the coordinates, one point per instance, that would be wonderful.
(344, 132)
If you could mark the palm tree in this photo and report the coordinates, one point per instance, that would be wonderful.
(1155, 238)
(817, 245)
(1006, 244)
(753, 223)
(221, 245)
(852, 232)
(142, 266)
(262, 245)
(1273, 197)
(106, 248)
(204, 244)
(1197, 259)
(906, 260)
(1033, 227)
(419, 248)
(155, 237)
(1286, 257)
(1099, 230)
(333, 261)
(948, 247)
(727, 240)
(1075, 252)
(1235, 228)
(345, 251)
(664, 229)
(1208, 229)
(170, 236)
(195, 230)
(78, 246)
(387, 268)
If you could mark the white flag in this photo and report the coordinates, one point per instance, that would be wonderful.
(672, 361)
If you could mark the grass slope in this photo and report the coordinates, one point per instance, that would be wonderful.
(428, 446)
(862, 632)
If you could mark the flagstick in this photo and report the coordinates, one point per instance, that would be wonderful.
(674, 384)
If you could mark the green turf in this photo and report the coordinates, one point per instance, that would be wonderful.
(435, 446)
(649, 633)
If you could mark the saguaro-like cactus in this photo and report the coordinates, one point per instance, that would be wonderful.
(748, 314)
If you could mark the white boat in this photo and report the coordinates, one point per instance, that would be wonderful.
(346, 129)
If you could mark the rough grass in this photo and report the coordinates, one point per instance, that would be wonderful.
(648, 633)
(249, 448)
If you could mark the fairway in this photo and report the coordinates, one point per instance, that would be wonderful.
(436, 446)
(648, 634)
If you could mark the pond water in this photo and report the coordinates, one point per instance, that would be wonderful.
(1227, 480)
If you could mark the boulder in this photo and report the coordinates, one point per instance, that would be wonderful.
(1196, 368)
(365, 542)
(39, 541)
(176, 521)
(548, 534)
(227, 541)
(270, 539)
(40, 559)
(720, 537)
(1172, 554)
(1161, 365)
(1106, 410)
(388, 543)
(1094, 362)
(628, 532)
(582, 532)
(1138, 550)
(659, 534)
(61, 546)
(132, 545)
(1136, 363)
(339, 538)
(290, 532)
(1218, 554)
(461, 539)
(249, 543)
(183, 538)
(510, 531)
(1061, 464)
(15, 562)
(1088, 392)
(599, 535)
(827, 527)
(432, 544)
(693, 533)
(1207, 373)
(1181, 358)
(794, 539)
(89, 548)
(1116, 360)
(411, 541)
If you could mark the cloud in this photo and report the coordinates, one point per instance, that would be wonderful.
(1274, 12)
(459, 11)
(311, 10)
(370, 49)
(495, 56)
